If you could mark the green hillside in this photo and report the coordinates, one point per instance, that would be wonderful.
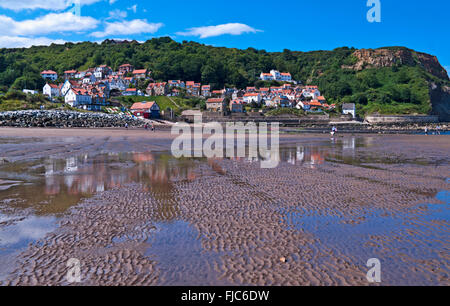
(401, 86)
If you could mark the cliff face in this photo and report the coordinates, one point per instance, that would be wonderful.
(388, 57)
(440, 101)
(378, 58)
(431, 64)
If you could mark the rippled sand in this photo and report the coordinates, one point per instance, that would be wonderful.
(231, 222)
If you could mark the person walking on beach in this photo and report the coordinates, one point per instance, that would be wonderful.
(333, 130)
(153, 127)
(126, 126)
(426, 130)
(146, 126)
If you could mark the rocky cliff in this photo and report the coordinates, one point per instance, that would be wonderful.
(440, 101)
(439, 90)
(388, 57)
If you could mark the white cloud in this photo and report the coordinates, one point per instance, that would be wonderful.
(137, 26)
(117, 14)
(112, 1)
(51, 5)
(222, 29)
(51, 23)
(25, 42)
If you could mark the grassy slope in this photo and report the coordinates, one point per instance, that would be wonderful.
(163, 102)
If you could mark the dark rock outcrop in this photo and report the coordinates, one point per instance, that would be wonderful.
(440, 101)
(62, 119)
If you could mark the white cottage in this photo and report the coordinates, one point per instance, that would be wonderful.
(67, 86)
(51, 90)
(252, 97)
(77, 97)
(349, 108)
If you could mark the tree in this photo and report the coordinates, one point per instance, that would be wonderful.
(371, 80)
(402, 77)
(28, 82)
(2, 63)
(98, 59)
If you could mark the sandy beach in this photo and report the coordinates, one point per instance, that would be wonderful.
(316, 219)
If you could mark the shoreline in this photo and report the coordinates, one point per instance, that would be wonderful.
(133, 131)
(76, 120)
(17, 144)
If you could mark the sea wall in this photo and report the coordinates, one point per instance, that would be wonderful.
(401, 119)
(65, 119)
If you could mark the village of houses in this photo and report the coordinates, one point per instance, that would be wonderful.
(91, 90)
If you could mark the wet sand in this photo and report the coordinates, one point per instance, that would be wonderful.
(314, 220)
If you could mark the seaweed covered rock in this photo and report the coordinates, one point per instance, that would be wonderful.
(62, 119)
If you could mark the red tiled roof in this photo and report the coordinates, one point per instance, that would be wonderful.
(315, 103)
(215, 100)
(142, 105)
(48, 72)
(237, 102)
(80, 91)
(151, 85)
(140, 71)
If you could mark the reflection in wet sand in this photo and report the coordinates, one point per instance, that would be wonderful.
(31, 204)
(56, 184)
(146, 218)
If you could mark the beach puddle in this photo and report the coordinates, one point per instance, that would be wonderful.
(403, 240)
(34, 195)
(177, 249)
(51, 186)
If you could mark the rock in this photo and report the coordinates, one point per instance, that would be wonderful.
(283, 259)
(44, 118)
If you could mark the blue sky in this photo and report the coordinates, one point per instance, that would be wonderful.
(270, 25)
